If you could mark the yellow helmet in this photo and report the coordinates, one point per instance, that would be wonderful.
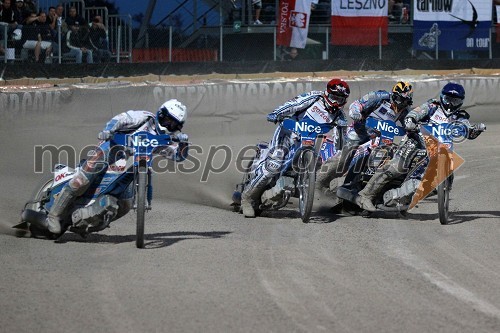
(402, 95)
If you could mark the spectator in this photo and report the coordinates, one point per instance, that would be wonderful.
(78, 42)
(74, 18)
(21, 12)
(38, 36)
(52, 18)
(98, 35)
(293, 54)
(257, 5)
(30, 6)
(7, 15)
(59, 16)
(395, 8)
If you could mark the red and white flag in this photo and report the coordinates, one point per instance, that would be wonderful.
(293, 23)
(359, 22)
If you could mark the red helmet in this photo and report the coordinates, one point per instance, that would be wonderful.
(336, 94)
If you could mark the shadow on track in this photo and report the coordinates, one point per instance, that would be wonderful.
(152, 241)
(458, 217)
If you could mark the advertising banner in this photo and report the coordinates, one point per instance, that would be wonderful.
(359, 22)
(452, 24)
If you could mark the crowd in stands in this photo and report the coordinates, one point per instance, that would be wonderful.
(264, 11)
(39, 36)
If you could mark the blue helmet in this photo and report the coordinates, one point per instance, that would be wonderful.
(452, 97)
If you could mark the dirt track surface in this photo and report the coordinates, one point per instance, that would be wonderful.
(208, 269)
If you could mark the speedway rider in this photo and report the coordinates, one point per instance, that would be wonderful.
(325, 105)
(385, 105)
(170, 117)
(447, 108)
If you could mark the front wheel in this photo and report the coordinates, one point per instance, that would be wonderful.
(141, 205)
(443, 190)
(443, 198)
(306, 183)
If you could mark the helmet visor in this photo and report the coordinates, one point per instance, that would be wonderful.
(401, 100)
(170, 123)
(453, 101)
(336, 98)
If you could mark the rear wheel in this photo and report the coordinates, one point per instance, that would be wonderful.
(36, 203)
(141, 205)
(306, 183)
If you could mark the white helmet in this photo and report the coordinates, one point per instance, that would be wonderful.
(172, 115)
(17, 34)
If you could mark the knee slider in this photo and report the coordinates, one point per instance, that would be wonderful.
(274, 160)
(79, 183)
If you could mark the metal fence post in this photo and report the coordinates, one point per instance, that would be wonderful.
(59, 40)
(119, 44)
(327, 43)
(274, 43)
(380, 43)
(5, 43)
(221, 28)
(170, 34)
(221, 42)
(491, 49)
(437, 45)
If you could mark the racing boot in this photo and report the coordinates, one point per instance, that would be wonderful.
(326, 174)
(250, 197)
(75, 187)
(374, 185)
(63, 199)
(334, 168)
(247, 204)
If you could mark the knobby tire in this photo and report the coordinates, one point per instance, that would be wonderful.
(141, 205)
(307, 181)
(443, 192)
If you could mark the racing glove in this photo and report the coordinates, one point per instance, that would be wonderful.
(104, 135)
(476, 130)
(410, 124)
(274, 117)
(479, 127)
(355, 114)
(182, 137)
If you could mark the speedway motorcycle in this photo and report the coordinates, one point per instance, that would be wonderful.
(311, 147)
(127, 180)
(370, 157)
(440, 138)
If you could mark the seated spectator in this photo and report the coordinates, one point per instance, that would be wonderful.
(38, 36)
(78, 43)
(7, 15)
(52, 18)
(74, 18)
(21, 12)
(98, 35)
(30, 6)
(395, 8)
(293, 54)
(59, 17)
